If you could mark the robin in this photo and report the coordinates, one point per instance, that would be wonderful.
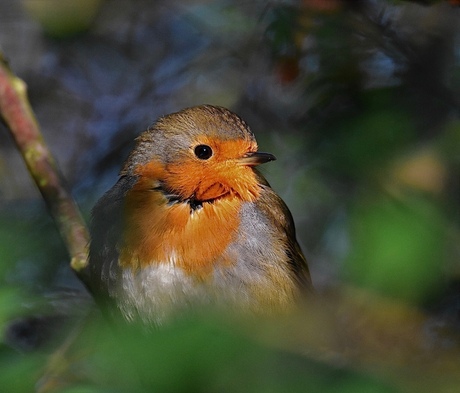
(191, 222)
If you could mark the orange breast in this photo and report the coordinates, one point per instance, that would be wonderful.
(156, 232)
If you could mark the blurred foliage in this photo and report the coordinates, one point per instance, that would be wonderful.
(381, 350)
(359, 100)
(401, 242)
(200, 354)
(62, 19)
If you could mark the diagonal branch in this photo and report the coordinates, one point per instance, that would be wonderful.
(16, 112)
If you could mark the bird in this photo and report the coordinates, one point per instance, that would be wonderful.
(192, 223)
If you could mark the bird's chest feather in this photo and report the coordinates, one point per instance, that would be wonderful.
(157, 233)
(224, 254)
(159, 291)
(154, 292)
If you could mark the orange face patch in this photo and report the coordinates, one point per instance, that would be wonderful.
(217, 176)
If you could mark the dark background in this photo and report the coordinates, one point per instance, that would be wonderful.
(359, 101)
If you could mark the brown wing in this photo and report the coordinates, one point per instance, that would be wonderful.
(102, 272)
(277, 211)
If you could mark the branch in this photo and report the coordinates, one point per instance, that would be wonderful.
(18, 116)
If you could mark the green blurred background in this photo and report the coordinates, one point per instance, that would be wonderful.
(359, 100)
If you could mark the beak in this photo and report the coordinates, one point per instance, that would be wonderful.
(256, 158)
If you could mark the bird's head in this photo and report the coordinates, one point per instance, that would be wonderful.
(201, 153)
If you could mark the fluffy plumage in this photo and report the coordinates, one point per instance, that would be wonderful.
(183, 228)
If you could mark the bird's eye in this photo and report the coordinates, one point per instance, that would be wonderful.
(203, 152)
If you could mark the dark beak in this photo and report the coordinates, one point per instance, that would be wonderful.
(256, 158)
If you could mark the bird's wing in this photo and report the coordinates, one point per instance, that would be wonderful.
(279, 215)
(102, 272)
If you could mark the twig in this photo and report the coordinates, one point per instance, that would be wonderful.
(18, 116)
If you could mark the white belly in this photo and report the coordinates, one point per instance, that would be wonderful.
(152, 294)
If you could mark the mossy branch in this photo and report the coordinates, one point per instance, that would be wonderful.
(16, 112)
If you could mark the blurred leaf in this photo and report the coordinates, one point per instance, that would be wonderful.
(83, 389)
(398, 248)
(10, 302)
(450, 141)
(422, 170)
(18, 372)
(204, 355)
(63, 18)
(363, 144)
(30, 246)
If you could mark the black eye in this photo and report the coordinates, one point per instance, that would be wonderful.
(203, 152)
